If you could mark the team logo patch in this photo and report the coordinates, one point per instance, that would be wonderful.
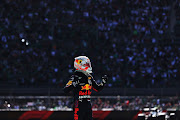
(69, 83)
(86, 87)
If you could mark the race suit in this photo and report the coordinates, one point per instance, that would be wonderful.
(82, 94)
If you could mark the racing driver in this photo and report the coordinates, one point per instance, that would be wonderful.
(82, 83)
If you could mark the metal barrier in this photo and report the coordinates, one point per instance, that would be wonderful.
(105, 91)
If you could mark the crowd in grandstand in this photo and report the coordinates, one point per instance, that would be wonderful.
(127, 40)
(111, 103)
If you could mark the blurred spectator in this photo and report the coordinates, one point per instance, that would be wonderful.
(126, 103)
(127, 40)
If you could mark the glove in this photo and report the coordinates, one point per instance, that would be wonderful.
(104, 79)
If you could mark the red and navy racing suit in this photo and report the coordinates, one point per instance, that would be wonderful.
(82, 92)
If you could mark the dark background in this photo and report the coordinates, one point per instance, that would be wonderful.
(136, 43)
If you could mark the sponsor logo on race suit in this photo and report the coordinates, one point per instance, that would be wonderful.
(86, 87)
(75, 113)
(84, 93)
(87, 92)
(84, 96)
